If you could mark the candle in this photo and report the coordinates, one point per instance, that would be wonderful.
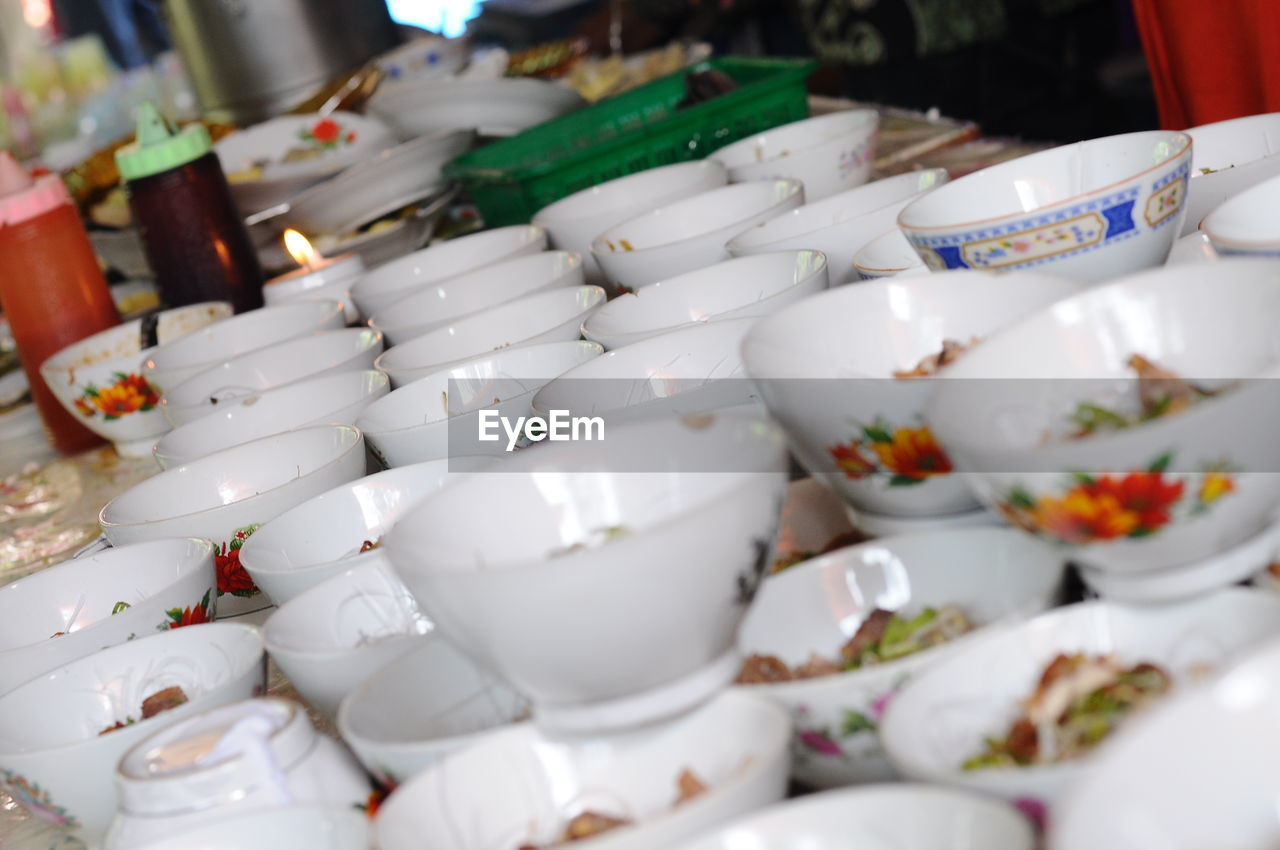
(317, 277)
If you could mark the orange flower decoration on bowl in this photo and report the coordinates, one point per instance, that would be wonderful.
(129, 394)
(907, 455)
(193, 616)
(327, 133)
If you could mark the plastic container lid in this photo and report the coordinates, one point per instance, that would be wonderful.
(158, 148)
(23, 197)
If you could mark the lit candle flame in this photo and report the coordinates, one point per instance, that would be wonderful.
(299, 247)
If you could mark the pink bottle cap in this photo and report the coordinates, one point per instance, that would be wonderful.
(23, 197)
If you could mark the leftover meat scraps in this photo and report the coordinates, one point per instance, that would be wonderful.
(951, 350)
(370, 545)
(1078, 702)
(162, 700)
(883, 636)
(1160, 392)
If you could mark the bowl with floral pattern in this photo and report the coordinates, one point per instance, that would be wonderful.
(62, 733)
(1091, 210)
(1128, 425)
(75, 608)
(100, 380)
(225, 496)
(820, 642)
(852, 417)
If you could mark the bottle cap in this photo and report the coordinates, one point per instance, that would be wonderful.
(158, 148)
(23, 197)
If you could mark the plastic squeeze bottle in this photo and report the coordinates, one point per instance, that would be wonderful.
(195, 239)
(51, 287)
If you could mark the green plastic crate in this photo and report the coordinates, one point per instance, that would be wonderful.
(512, 179)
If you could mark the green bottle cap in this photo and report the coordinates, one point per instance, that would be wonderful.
(158, 148)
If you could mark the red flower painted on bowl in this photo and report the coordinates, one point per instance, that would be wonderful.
(193, 616)
(233, 578)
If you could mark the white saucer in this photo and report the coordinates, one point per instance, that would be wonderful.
(880, 525)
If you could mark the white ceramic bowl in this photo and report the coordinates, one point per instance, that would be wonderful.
(1242, 225)
(839, 225)
(331, 282)
(345, 139)
(1191, 249)
(512, 601)
(686, 371)
(903, 816)
(336, 398)
(491, 107)
(425, 57)
(690, 233)
(53, 759)
(1228, 157)
(293, 828)
(553, 316)
(827, 386)
(437, 304)
(1091, 210)
(828, 154)
(172, 363)
(1191, 485)
(99, 380)
(331, 637)
(430, 702)
(400, 278)
(887, 255)
(437, 416)
(993, 575)
(322, 537)
(746, 287)
(226, 495)
(517, 787)
(101, 600)
(572, 223)
(943, 716)
(1198, 772)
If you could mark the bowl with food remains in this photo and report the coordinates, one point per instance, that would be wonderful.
(887, 255)
(690, 233)
(833, 639)
(552, 316)
(1022, 714)
(341, 528)
(840, 225)
(490, 107)
(424, 705)
(100, 381)
(437, 304)
(828, 153)
(395, 280)
(438, 415)
(172, 363)
(75, 608)
(616, 520)
(745, 287)
(572, 223)
(1241, 226)
(853, 404)
(904, 816)
(1228, 157)
(62, 733)
(653, 788)
(1091, 210)
(225, 496)
(326, 353)
(1148, 446)
(325, 399)
(294, 828)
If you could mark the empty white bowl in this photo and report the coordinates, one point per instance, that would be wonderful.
(99, 379)
(887, 255)
(1228, 157)
(172, 363)
(839, 225)
(690, 233)
(1191, 249)
(328, 353)
(572, 223)
(518, 787)
(746, 287)
(1090, 210)
(828, 154)
(491, 107)
(75, 608)
(1243, 224)
(437, 304)
(226, 495)
(390, 282)
(512, 600)
(848, 420)
(943, 717)
(553, 316)
(992, 574)
(438, 415)
(336, 398)
(429, 702)
(54, 759)
(294, 828)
